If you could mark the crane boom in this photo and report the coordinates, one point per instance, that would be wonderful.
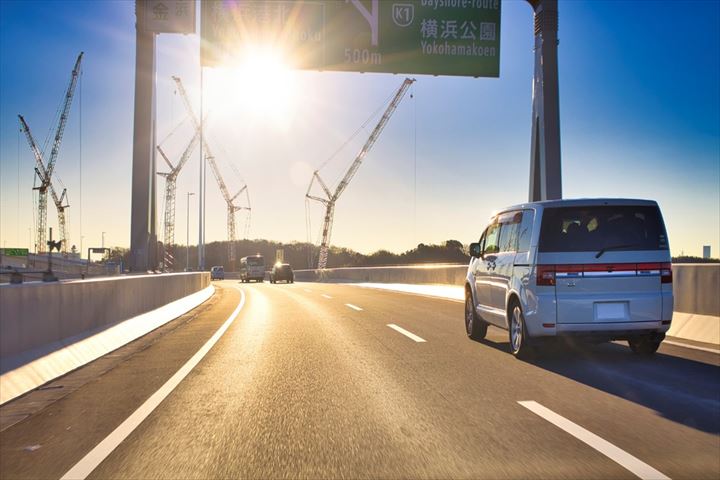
(342, 185)
(208, 152)
(44, 172)
(69, 93)
(229, 199)
(373, 137)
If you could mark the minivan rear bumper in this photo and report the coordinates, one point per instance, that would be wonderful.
(615, 330)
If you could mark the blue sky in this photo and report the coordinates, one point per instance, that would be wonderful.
(639, 103)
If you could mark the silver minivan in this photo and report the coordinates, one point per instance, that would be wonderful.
(596, 269)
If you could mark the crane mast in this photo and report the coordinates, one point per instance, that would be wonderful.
(332, 197)
(229, 200)
(44, 173)
(170, 195)
(41, 172)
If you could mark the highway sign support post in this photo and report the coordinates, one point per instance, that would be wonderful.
(545, 171)
(143, 238)
(152, 17)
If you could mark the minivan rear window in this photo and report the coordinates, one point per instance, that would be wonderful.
(593, 228)
(256, 261)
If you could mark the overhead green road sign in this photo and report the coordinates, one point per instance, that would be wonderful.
(15, 252)
(435, 37)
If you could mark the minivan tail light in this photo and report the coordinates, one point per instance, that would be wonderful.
(546, 275)
(666, 273)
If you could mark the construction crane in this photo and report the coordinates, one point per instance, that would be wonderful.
(232, 208)
(170, 193)
(44, 172)
(329, 202)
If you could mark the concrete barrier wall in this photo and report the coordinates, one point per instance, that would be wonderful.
(431, 274)
(37, 314)
(696, 287)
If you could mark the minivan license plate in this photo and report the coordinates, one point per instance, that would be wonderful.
(611, 311)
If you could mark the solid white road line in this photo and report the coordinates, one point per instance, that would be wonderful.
(636, 466)
(326, 296)
(354, 307)
(405, 332)
(90, 461)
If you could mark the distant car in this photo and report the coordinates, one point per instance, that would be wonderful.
(597, 269)
(282, 271)
(217, 273)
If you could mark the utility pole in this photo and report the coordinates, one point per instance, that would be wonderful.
(187, 239)
(545, 171)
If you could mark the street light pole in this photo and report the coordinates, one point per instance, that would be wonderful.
(187, 239)
(103, 240)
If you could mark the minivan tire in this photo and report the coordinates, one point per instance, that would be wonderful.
(475, 327)
(645, 345)
(517, 333)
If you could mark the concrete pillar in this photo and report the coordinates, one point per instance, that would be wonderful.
(143, 235)
(545, 171)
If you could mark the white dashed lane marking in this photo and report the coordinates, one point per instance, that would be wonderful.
(619, 456)
(406, 333)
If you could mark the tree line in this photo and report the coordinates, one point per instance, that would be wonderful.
(303, 255)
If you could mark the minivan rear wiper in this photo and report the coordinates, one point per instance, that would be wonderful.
(616, 247)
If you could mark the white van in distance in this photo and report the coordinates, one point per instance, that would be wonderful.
(252, 268)
(597, 269)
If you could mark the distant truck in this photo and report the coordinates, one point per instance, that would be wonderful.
(252, 267)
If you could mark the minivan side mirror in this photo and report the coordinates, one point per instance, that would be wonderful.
(475, 250)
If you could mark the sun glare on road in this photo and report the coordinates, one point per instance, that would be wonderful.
(260, 84)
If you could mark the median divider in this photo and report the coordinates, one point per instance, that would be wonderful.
(48, 330)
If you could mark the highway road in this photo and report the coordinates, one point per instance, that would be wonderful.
(335, 381)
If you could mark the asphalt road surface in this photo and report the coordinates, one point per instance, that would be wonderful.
(336, 381)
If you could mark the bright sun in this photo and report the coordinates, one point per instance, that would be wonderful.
(260, 85)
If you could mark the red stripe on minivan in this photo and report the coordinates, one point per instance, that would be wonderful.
(546, 273)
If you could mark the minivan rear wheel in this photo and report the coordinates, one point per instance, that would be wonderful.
(645, 345)
(519, 345)
(475, 327)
